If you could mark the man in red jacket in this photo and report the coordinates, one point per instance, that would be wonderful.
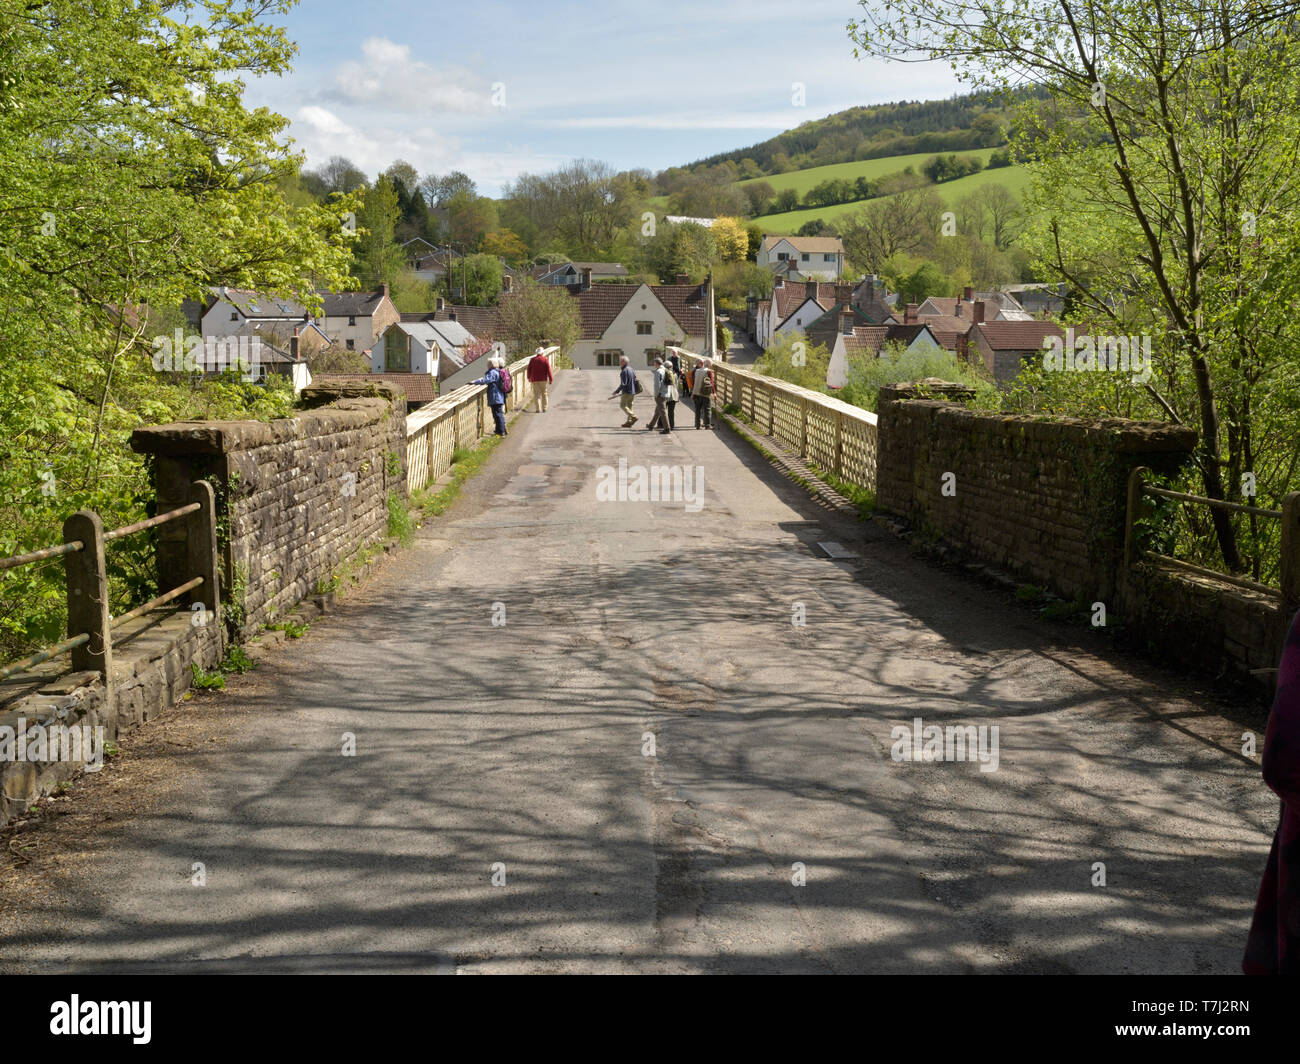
(540, 377)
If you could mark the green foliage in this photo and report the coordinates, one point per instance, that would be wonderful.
(401, 526)
(207, 681)
(539, 315)
(896, 365)
(132, 176)
(293, 629)
(478, 277)
(236, 661)
(792, 358)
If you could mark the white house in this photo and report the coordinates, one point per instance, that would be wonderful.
(639, 320)
(574, 272)
(816, 257)
(424, 346)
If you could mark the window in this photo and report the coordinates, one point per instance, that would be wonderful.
(397, 352)
(828, 257)
(234, 315)
(352, 345)
(651, 353)
(644, 328)
(804, 257)
(782, 256)
(352, 319)
(608, 358)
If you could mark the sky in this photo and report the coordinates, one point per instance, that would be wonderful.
(497, 88)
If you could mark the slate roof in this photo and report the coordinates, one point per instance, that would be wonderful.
(256, 305)
(346, 304)
(869, 339)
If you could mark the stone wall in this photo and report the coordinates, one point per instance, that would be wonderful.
(1043, 500)
(295, 497)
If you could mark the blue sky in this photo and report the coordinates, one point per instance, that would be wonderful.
(499, 88)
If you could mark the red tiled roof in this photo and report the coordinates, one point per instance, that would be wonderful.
(1018, 335)
(417, 387)
(599, 305)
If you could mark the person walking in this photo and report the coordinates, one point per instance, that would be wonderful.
(703, 385)
(1273, 947)
(540, 376)
(627, 390)
(496, 398)
(665, 392)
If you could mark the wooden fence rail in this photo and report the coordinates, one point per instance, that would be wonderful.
(832, 434)
(90, 626)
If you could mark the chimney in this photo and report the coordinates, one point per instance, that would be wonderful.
(440, 304)
(979, 312)
(451, 315)
(909, 314)
(846, 322)
(683, 278)
(779, 283)
(810, 287)
(968, 294)
(506, 282)
(384, 290)
(586, 278)
(293, 344)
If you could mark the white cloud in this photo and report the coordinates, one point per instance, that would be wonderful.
(388, 75)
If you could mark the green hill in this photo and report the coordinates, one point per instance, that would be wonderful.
(872, 169)
(1015, 178)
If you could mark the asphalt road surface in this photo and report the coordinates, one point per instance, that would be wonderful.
(661, 771)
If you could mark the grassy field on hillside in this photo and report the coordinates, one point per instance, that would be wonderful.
(872, 169)
(1013, 177)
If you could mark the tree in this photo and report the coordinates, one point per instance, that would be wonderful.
(480, 276)
(1003, 211)
(470, 218)
(378, 258)
(922, 283)
(786, 200)
(730, 239)
(403, 176)
(760, 195)
(816, 227)
(438, 191)
(340, 174)
(133, 175)
(1163, 170)
(905, 223)
(583, 206)
(536, 315)
(505, 244)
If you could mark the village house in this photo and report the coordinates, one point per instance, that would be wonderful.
(355, 320)
(813, 257)
(847, 337)
(571, 273)
(420, 344)
(1003, 347)
(640, 320)
(795, 305)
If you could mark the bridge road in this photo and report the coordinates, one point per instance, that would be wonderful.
(522, 744)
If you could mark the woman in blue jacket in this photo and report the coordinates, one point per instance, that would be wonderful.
(495, 396)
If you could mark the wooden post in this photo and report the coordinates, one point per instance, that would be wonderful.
(771, 410)
(1290, 549)
(202, 535)
(87, 581)
(1132, 512)
(803, 427)
(839, 441)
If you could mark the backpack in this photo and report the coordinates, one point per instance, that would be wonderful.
(504, 383)
(706, 386)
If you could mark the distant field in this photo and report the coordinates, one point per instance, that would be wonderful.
(1013, 177)
(872, 169)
